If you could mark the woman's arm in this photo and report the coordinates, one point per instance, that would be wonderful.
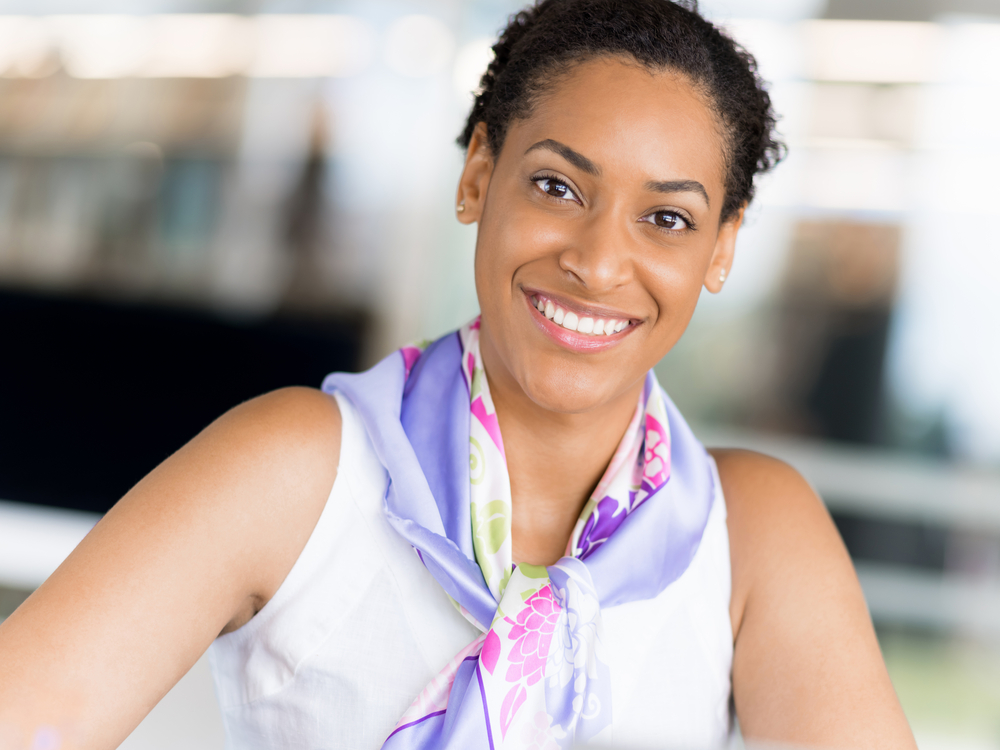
(193, 550)
(807, 667)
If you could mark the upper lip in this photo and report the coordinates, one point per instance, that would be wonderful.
(582, 309)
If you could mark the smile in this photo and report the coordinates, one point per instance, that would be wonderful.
(578, 321)
(579, 328)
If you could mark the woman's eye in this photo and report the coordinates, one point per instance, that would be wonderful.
(667, 220)
(555, 188)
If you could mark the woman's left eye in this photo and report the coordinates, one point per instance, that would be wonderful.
(667, 220)
(555, 188)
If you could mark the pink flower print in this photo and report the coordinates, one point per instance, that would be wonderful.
(491, 651)
(410, 356)
(514, 700)
(657, 455)
(532, 634)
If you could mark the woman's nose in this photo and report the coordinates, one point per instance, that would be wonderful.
(598, 254)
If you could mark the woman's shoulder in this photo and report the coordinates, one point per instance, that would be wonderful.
(256, 480)
(804, 643)
(775, 519)
(289, 437)
(765, 495)
(289, 441)
(197, 546)
(295, 411)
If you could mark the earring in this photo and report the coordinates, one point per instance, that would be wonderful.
(461, 207)
(722, 276)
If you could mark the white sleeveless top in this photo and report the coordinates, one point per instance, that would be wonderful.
(359, 627)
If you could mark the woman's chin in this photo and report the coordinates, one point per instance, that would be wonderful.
(557, 380)
(562, 391)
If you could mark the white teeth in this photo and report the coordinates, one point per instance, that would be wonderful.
(572, 322)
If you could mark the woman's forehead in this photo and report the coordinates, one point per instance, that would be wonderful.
(625, 118)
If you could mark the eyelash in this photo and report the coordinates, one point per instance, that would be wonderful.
(555, 180)
(689, 224)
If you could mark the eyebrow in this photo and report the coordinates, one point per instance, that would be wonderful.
(575, 158)
(581, 162)
(679, 186)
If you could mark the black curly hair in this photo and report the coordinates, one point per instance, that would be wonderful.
(546, 39)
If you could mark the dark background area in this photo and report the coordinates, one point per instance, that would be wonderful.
(93, 395)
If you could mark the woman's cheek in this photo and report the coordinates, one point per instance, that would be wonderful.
(528, 232)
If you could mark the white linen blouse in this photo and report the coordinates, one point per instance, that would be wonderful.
(359, 627)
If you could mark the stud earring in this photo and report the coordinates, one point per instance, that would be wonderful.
(461, 207)
(722, 276)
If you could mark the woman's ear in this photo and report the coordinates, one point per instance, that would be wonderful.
(475, 177)
(722, 256)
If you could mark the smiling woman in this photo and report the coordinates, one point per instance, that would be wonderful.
(585, 570)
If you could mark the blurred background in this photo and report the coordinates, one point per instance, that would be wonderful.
(201, 200)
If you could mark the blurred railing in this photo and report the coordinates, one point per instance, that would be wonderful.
(34, 541)
(934, 561)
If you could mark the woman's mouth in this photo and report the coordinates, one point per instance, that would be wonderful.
(578, 322)
(577, 327)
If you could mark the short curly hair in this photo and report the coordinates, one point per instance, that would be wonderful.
(548, 38)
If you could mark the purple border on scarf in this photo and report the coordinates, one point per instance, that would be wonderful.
(486, 709)
(414, 723)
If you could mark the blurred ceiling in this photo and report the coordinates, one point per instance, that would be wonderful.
(888, 10)
(909, 10)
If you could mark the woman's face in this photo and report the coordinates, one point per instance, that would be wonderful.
(602, 209)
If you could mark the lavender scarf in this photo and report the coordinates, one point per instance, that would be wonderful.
(536, 676)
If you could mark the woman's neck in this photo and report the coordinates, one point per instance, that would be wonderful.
(555, 461)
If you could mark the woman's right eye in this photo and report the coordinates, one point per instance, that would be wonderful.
(555, 188)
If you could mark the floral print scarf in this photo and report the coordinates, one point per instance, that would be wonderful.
(537, 676)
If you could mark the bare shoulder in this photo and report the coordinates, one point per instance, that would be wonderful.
(302, 410)
(297, 423)
(274, 458)
(286, 445)
(774, 517)
(194, 549)
(807, 668)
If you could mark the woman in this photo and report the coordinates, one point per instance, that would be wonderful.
(585, 571)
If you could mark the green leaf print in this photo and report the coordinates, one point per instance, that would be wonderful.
(477, 383)
(492, 524)
(477, 462)
(490, 528)
(503, 581)
(533, 571)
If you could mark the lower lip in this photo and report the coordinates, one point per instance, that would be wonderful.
(577, 342)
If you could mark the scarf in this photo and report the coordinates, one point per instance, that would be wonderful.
(536, 677)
